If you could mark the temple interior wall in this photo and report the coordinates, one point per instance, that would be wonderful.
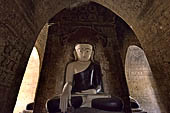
(22, 21)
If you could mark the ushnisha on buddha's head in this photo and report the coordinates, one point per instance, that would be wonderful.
(83, 52)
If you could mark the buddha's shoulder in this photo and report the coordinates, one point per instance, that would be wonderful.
(71, 64)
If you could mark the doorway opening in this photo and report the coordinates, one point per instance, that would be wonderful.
(29, 83)
(140, 79)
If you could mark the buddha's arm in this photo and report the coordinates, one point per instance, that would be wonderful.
(66, 93)
(98, 79)
(89, 91)
(69, 78)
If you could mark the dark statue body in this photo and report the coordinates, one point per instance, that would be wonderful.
(90, 78)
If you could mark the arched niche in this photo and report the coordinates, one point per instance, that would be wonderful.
(84, 23)
(28, 86)
(140, 79)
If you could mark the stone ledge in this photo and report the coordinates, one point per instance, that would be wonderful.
(87, 110)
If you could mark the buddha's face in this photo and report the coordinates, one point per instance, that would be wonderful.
(84, 52)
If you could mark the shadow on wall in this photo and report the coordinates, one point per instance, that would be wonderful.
(140, 79)
(29, 83)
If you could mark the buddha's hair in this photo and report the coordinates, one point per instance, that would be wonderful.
(93, 46)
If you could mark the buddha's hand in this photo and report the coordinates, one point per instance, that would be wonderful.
(64, 98)
(89, 91)
(64, 102)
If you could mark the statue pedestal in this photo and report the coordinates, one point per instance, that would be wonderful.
(102, 101)
(92, 110)
(87, 110)
(140, 112)
(87, 98)
(27, 111)
(86, 106)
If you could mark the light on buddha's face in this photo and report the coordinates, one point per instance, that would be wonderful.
(84, 51)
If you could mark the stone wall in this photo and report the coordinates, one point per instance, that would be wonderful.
(16, 42)
(40, 43)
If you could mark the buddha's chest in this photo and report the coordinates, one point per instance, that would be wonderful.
(80, 67)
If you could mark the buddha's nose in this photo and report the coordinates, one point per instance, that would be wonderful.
(83, 54)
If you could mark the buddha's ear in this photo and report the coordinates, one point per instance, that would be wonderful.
(75, 55)
(92, 56)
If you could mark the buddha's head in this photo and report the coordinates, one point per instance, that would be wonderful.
(83, 52)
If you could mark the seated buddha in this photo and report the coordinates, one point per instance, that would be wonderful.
(83, 86)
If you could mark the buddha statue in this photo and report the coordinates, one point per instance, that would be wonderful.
(83, 85)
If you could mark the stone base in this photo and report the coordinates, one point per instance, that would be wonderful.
(92, 110)
(87, 110)
(87, 98)
(140, 112)
(27, 111)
